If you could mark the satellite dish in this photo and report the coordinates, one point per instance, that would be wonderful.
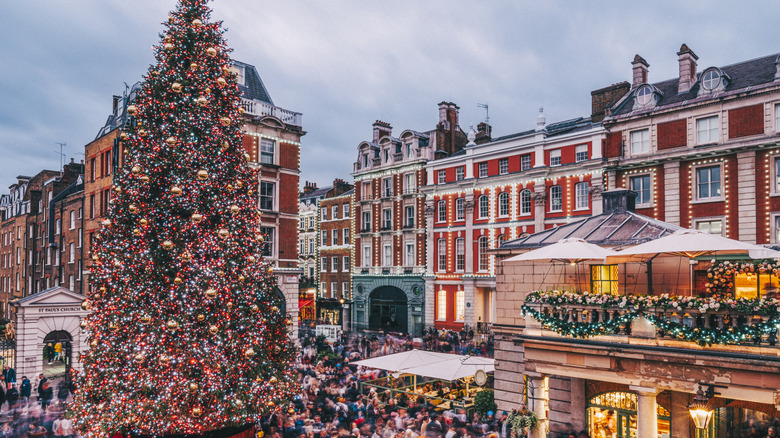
(480, 377)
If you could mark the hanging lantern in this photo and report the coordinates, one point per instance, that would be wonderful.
(701, 413)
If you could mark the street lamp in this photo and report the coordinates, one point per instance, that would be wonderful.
(700, 411)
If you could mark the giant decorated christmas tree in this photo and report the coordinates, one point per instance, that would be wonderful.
(186, 334)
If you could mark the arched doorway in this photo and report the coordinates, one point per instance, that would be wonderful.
(57, 350)
(388, 310)
(613, 415)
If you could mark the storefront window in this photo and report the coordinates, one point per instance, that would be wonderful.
(752, 285)
(604, 279)
(613, 415)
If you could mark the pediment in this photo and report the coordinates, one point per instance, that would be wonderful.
(55, 296)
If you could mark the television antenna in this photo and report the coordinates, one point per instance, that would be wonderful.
(62, 155)
(487, 112)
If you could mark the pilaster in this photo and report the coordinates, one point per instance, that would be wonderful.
(746, 201)
(672, 192)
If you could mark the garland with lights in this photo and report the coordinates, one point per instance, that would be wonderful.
(720, 276)
(186, 335)
(647, 306)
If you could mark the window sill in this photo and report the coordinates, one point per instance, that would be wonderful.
(708, 200)
(555, 211)
(582, 209)
(638, 206)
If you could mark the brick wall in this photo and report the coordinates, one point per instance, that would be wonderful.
(288, 155)
(746, 121)
(672, 134)
(613, 144)
(604, 98)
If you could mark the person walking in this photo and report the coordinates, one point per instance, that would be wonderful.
(47, 393)
(9, 374)
(41, 381)
(25, 389)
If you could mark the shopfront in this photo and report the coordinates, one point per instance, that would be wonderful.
(614, 415)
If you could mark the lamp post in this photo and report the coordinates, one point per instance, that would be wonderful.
(700, 411)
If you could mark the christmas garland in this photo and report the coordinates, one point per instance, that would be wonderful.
(720, 276)
(646, 306)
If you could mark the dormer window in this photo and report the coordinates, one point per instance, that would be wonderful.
(644, 95)
(710, 79)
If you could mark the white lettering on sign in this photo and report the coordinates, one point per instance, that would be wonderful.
(59, 309)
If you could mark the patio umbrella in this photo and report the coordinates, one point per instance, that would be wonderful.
(691, 244)
(571, 250)
(455, 368)
(404, 360)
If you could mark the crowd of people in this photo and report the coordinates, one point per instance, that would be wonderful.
(24, 414)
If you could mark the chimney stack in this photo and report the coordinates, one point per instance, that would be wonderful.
(640, 67)
(687, 60)
(484, 133)
(603, 99)
(619, 200)
(381, 129)
(309, 187)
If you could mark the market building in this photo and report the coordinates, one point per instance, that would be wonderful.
(388, 286)
(308, 250)
(335, 254)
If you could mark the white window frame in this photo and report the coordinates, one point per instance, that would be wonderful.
(324, 238)
(441, 176)
(460, 173)
(775, 178)
(581, 196)
(556, 194)
(344, 289)
(697, 222)
(324, 214)
(639, 144)
(345, 263)
(345, 211)
(460, 254)
(525, 162)
(503, 204)
(409, 258)
(324, 264)
(72, 219)
(387, 187)
(482, 169)
(695, 176)
(267, 151)
(334, 289)
(777, 117)
(503, 166)
(460, 209)
(638, 177)
(708, 129)
(483, 207)
(334, 264)
(581, 153)
(409, 216)
(71, 253)
(366, 256)
(460, 306)
(441, 305)
(345, 236)
(272, 196)
(441, 211)
(523, 203)
(334, 236)
(410, 182)
(387, 219)
(387, 255)
(366, 221)
(441, 255)
(334, 212)
(483, 260)
(555, 157)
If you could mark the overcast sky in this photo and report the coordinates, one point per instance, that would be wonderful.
(344, 64)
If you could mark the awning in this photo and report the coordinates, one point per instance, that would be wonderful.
(430, 364)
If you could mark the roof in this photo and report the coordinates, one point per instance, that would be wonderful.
(751, 73)
(608, 229)
(556, 128)
(315, 194)
(253, 87)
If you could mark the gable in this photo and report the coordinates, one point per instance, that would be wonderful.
(52, 296)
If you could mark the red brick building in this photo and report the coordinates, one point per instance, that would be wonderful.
(389, 223)
(335, 252)
(497, 190)
(701, 149)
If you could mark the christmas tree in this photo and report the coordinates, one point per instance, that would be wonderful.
(186, 334)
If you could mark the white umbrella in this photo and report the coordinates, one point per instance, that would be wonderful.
(692, 244)
(571, 250)
(456, 368)
(404, 360)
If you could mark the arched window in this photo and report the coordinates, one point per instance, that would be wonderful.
(482, 247)
(500, 240)
(484, 207)
(503, 204)
(525, 201)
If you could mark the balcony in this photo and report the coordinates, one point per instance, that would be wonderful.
(714, 322)
(365, 230)
(257, 108)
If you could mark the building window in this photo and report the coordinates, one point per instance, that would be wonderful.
(581, 153)
(483, 169)
(500, 240)
(324, 237)
(344, 289)
(268, 241)
(441, 306)
(460, 254)
(334, 211)
(708, 181)
(409, 214)
(581, 196)
(525, 202)
(334, 235)
(525, 162)
(710, 79)
(311, 245)
(345, 264)
(266, 196)
(503, 204)
(640, 141)
(387, 256)
(641, 185)
(301, 223)
(460, 173)
(604, 279)
(409, 254)
(73, 219)
(707, 130)
(711, 226)
(460, 210)
(482, 255)
(441, 255)
(556, 198)
(409, 150)
(311, 221)
(57, 227)
(302, 247)
(755, 285)
(410, 183)
(644, 94)
(324, 264)
(387, 187)
(345, 211)
(387, 219)
(460, 305)
(366, 221)
(267, 151)
(441, 211)
(503, 166)
(366, 192)
(345, 236)
(441, 176)
(334, 264)
(334, 289)
(555, 157)
(484, 206)
(366, 256)
(71, 253)
(323, 214)
(777, 117)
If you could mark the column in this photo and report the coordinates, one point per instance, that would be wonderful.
(746, 197)
(470, 297)
(647, 412)
(539, 403)
(672, 192)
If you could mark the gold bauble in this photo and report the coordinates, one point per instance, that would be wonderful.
(145, 178)
(202, 101)
(175, 191)
(213, 329)
(196, 412)
(254, 308)
(225, 145)
(145, 319)
(229, 305)
(246, 156)
(211, 51)
(168, 46)
(221, 81)
(132, 208)
(241, 278)
(136, 231)
(272, 380)
(224, 233)
(135, 169)
(274, 309)
(230, 187)
(131, 109)
(291, 411)
(251, 259)
(186, 256)
(171, 140)
(193, 386)
(95, 257)
(197, 23)
(84, 323)
(167, 244)
(207, 90)
(118, 189)
(143, 221)
(93, 343)
(277, 349)
(164, 359)
(220, 273)
(239, 184)
(249, 353)
(177, 280)
(241, 110)
(142, 133)
(201, 317)
(202, 174)
(234, 209)
(288, 321)
(86, 305)
(193, 66)
(107, 222)
(172, 325)
(114, 327)
(123, 136)
(225, 121)
(139, 358)
(176, 87)
(197, 217)
(211, 293)
(250, 192)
